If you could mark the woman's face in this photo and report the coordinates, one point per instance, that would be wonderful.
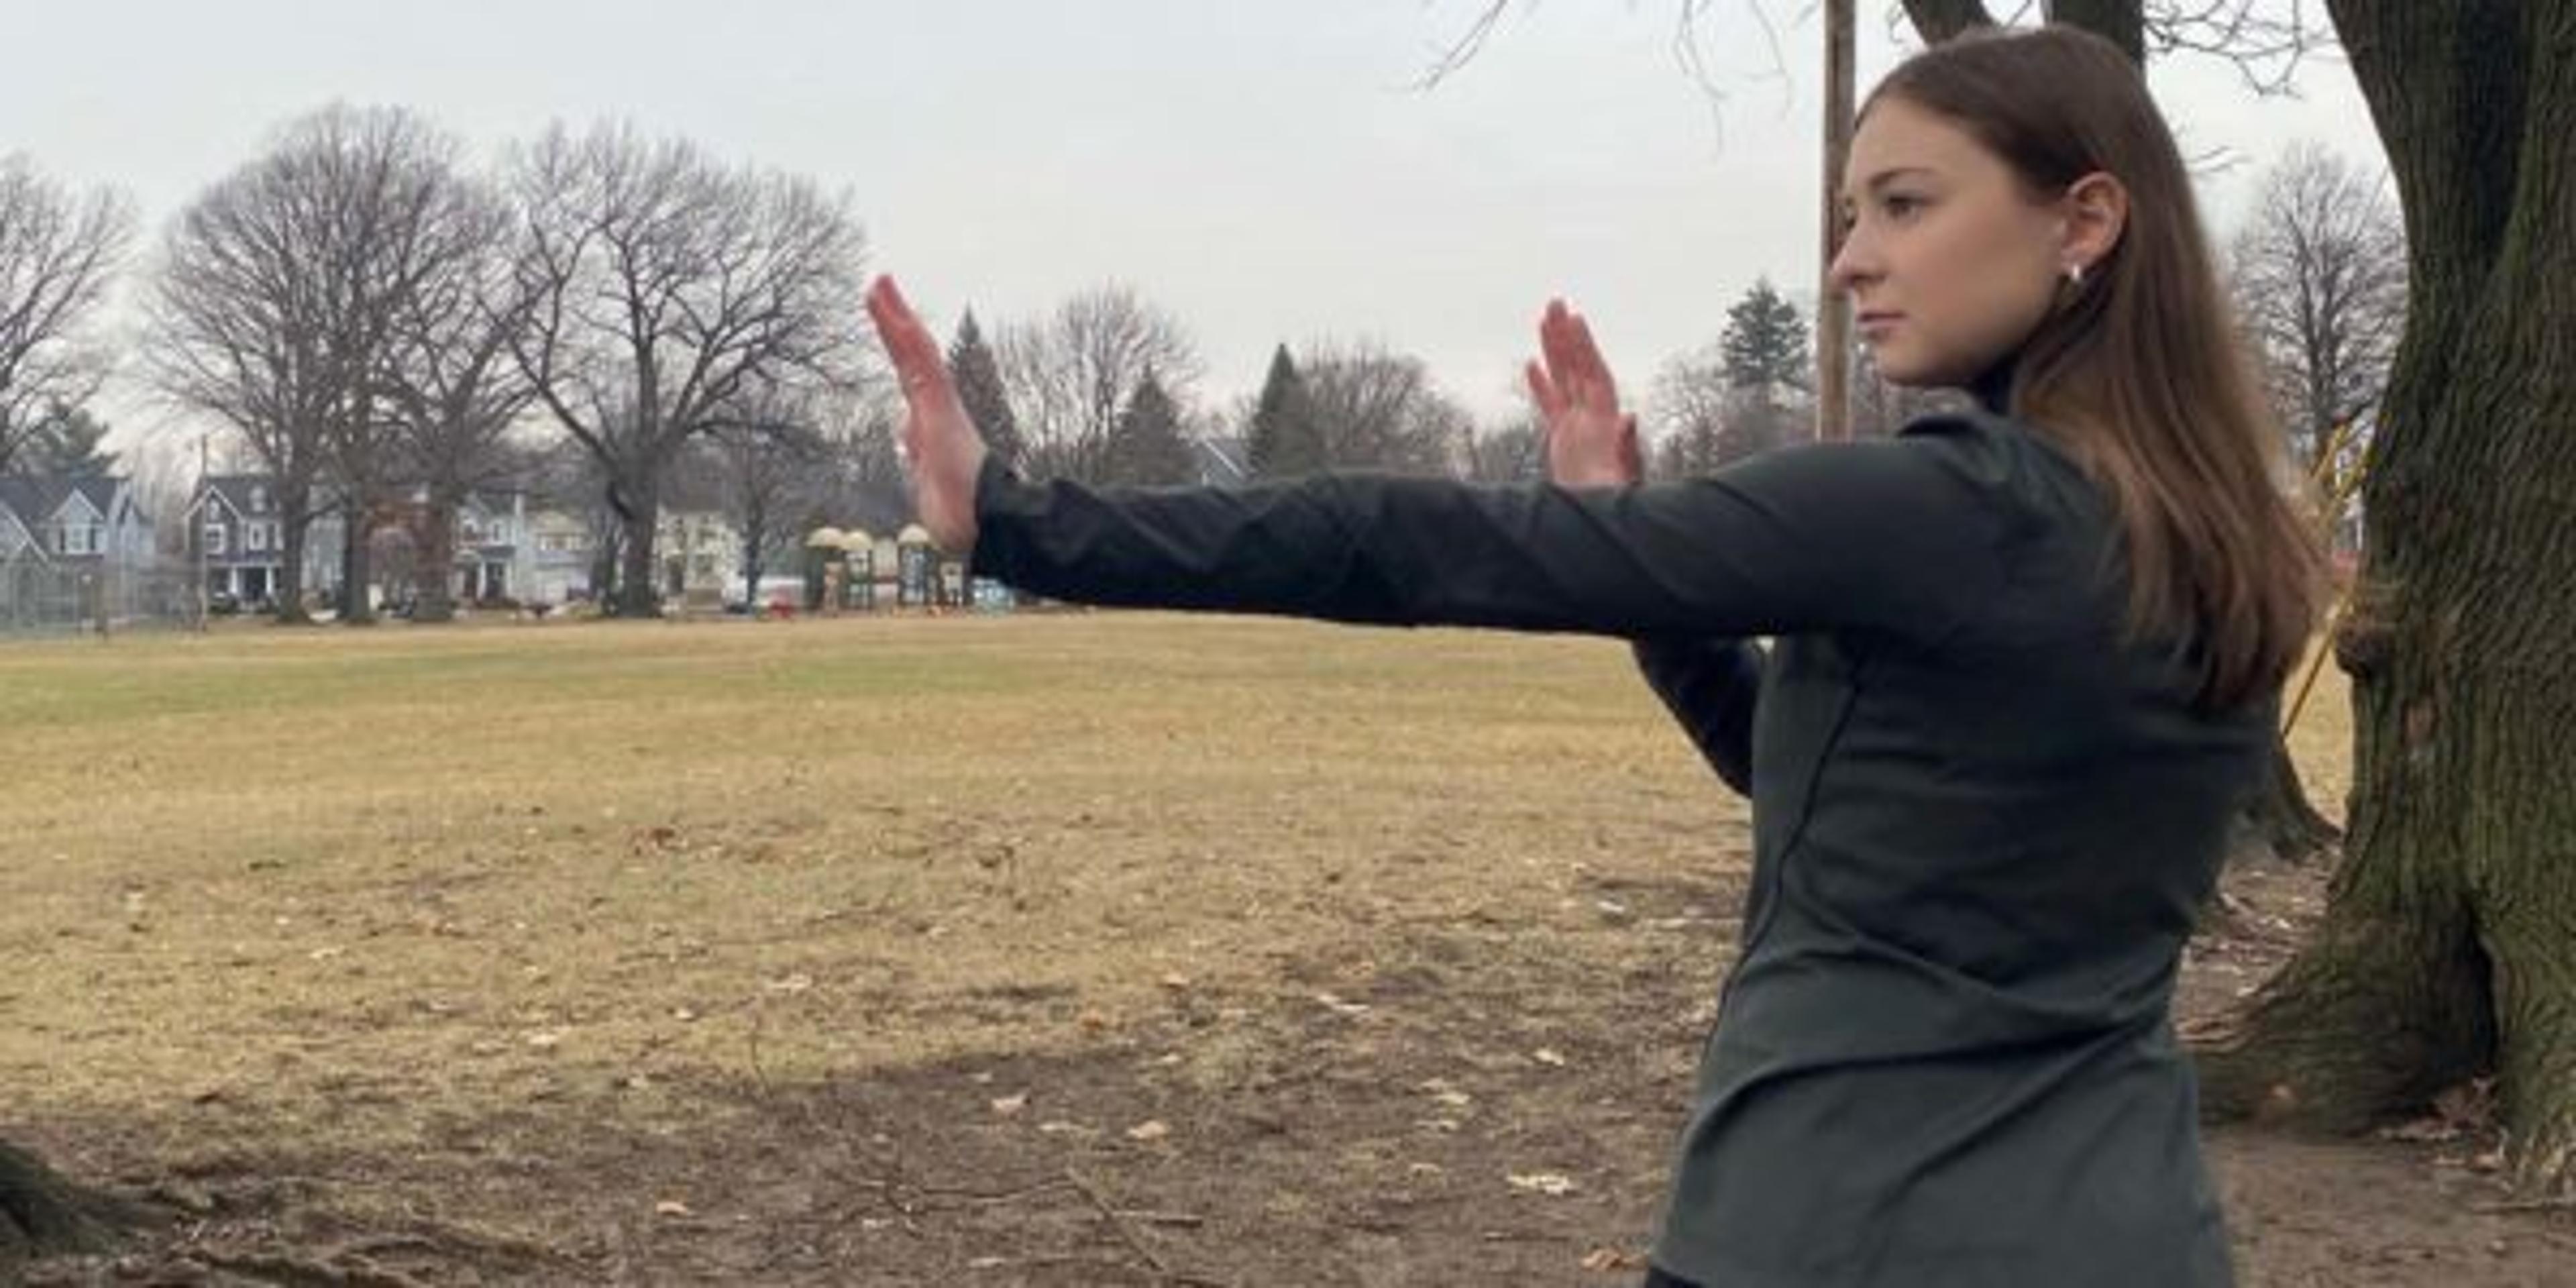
(1949, 264)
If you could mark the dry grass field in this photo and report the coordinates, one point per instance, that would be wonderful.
(1060, 949)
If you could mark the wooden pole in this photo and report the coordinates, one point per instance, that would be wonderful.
(1833, 309)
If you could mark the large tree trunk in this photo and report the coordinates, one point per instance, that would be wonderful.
(355, 568)
(295, 515)
(639, 587)
(42, 1215)
(2277, 822)
(434, 598)
(2449, 947)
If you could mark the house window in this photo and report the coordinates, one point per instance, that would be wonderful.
(258, 498)
(254, 537)
(214, 538)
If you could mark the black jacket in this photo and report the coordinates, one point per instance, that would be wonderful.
(1983, 818)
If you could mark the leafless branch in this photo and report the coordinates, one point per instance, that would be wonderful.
(58, 253)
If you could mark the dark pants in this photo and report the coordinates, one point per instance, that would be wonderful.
(1656, 1278)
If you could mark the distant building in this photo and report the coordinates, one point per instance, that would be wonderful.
(237, 534)
(72, 549)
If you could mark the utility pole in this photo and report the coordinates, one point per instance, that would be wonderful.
(1833, 308)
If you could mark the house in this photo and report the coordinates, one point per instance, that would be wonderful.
(699, 552)
(554, 555)
(491, 540)
(237, 535)
(72, 549)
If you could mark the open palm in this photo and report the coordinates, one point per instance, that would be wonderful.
(1590, 442)
(946, 450)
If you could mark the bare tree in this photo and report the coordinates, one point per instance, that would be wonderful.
(453, 393)
(2320, 281)
(1514, 451)
(58, 253)
(251, 322)
(1703, 418)
(771, 462)
(1069, 375)
(662, 287)
(396, 221)
(1376, 409)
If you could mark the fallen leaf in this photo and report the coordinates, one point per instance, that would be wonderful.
(1549, 1057)
(1151, 1129)
(1611, 1260)
(545, 1041)
(670, 1207)
(1551, 1184)
(1009, 1105)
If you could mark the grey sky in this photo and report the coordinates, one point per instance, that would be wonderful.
(1259, 167)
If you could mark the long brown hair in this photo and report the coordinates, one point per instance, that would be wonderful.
(2138, 373)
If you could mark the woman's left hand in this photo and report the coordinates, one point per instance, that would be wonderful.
(1590, 442)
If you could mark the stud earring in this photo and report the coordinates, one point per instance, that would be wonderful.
(2075, 274)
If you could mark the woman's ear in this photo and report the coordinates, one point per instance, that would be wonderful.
(2096, 209)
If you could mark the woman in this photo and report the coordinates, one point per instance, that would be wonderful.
(2024, 663)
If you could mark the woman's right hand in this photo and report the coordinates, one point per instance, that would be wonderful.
(1590, 442)
(940, 441)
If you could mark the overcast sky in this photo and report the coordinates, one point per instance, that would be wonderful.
(1264, 169)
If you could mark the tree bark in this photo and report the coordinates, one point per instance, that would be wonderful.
(1939, 20)
(639, 512)
(42, 1215)
(434, 595)
(2278, 823)
(2122, 22)
(355, 567)
(295, 519)
(2449, 947)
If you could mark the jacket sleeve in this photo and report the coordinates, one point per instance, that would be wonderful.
(1711, 687)
(1896, 534)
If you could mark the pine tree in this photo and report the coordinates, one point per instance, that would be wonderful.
(65, 444)
(1147, 448)
(979, 386)
(1284, 440)
(1764, 346)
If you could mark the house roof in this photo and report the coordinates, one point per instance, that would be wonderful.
(33, 499)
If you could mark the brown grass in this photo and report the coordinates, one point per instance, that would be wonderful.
(356, 894)
(432, 866)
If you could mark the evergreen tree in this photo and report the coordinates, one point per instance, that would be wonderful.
(1284, 440)
(1764, 346)
(979, 386)
(65, 444)
(1147, 448)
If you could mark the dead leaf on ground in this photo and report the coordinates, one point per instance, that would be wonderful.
(1602, 1261)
